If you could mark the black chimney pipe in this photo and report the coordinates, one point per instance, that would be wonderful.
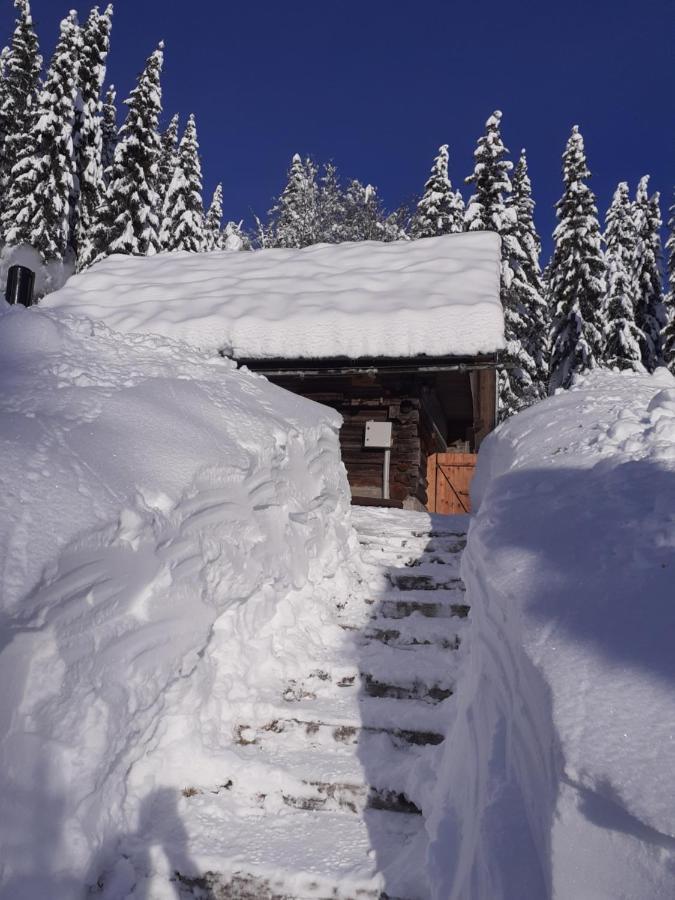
(20, 284)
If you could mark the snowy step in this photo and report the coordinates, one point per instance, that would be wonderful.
(287, 852)
(311, 795)
(426, 580)
(415, 679)
(393, 608)
(303, 752)
(347, 733)
(413, 631)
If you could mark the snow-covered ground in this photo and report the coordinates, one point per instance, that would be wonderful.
(205, 671)
(558, 773)
(437, 296)
(147, 491)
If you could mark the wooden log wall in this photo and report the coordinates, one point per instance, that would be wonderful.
(384, 398)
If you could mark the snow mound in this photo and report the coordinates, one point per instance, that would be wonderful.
(558, 770)
(147, 491)
(437, 296)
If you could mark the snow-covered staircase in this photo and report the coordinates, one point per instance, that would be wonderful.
(338, 753)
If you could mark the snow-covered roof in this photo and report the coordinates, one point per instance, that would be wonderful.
(434, 297)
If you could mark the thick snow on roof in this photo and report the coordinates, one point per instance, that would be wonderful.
(437, 296)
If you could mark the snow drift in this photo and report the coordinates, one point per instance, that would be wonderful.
(557, 778)
(435, 297)
(147, 490)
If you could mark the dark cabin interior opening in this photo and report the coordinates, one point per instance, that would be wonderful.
(431, 412)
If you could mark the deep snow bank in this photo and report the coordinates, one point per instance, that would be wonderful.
(557, 778)
(146, 491)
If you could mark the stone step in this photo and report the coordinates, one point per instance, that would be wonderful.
(349, 734)
(401, 609)
(426, 581)
(320, 796)
(294, 854)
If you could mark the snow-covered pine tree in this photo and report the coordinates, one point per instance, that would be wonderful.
(623, 339)
(213, 221)
(234, 238)
(127, 221)
(23, 65)
(331, 207)
(183, 212)
(493, 208)
(364, 218)
(649, 310)
(294, 217)
(577, 273)
(441, 210)
(537, 342)
(109, 131)
(669, 300)
(168, 159)
(485, 210)
(38, 205)
(89, 184)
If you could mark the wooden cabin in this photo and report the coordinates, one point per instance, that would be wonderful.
(401, 338)
(440, 405)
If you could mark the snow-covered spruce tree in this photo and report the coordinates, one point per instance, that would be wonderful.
(89, 186)
(650, 315)
(441, 210)
(213, 221)
(183, 212)
(294, 217)
(331, 207)
(364, 218)
(234, 238)
(490, 178)
(38, 204)
(493, 208)
(109, 131)
(669, 300)
(577, 273)
(127, 222)
(537, 342)
(623, 339)
(168, 159)
(21, 83)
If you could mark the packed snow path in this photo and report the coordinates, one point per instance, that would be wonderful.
(324, 796)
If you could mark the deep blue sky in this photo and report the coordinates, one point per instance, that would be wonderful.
(377, 85)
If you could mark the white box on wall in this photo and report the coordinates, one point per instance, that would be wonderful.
(378, 435)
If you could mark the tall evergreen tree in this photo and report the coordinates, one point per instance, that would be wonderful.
(294, 218)
(89, 186)
(213, 221)
(183, 213)
(669, 332)
(127, 221)
(233, 237)
(485, 210)
(109, 132)
(577, 273)
(649, 310)
(331, 207)
(623, 339)
(23, 64)
(441, 210)
(536, 340)
(364, 218)
(38, 205)
(493, 208)
(168, 159)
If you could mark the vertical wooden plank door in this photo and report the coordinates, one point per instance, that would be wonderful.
(448, 481)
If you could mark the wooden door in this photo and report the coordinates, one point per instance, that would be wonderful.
(448, 480)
